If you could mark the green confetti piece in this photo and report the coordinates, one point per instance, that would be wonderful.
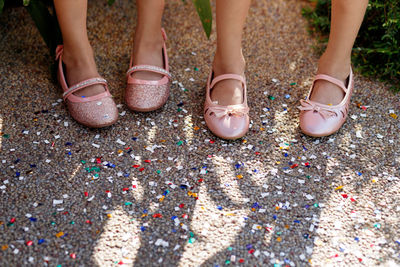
(230, 248)
(196, 68)
(53, 223)
(158, 171)
(227, 262)
(128, 203)
(377, 225)
(72, 222)
(83, 162)
(192, 240)
(293, 83)
(316, 205)
(180, 143)
(6, 136)
(278, 233)
(271, 97)
(179, 109)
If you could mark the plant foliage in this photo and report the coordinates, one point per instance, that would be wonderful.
(376, 52)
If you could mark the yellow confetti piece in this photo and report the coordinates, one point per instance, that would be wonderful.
(287, 226)
(144, 215)
(279, 239)
(203, 208)
(163, 141)
(109, 215)
(59, 234)
(277, 208)
(230, 214)
(4, 247)
(262, 129)
(339, 187)
(196, 128)
(394, 116)
(278, 162)
(253, 209)
(374, 180)
(244, 141)
(162, 198)
(120, 151)
(239, 176)
(259, 227)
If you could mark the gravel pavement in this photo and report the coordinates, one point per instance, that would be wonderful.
(159, 189)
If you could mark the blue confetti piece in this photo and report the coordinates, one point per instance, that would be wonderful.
(142, 228)
(41, 241)
(134, 138)
(32, 219)
(17, 174)
(219, 207)
(174, 217)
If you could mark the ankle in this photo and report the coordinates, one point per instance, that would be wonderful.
(235, 64)
(148, 40)
(336, 67)
(79, 59)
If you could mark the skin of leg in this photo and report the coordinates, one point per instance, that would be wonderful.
(228, 59)
(148, 41)
(347, 16)
(78, 54)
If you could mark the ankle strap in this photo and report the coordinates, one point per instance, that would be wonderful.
(228, 77)
(149, 68)
(85, 84)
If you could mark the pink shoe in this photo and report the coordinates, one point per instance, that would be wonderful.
(94, 111)
(227, 122)
(143, 95)
(319, 120)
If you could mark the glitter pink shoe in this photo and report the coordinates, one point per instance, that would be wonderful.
(319, 120)
(144, 95)
(227, 122)
(93, 111)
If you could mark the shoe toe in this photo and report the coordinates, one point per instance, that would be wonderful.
(94, 114)
(313, 124)
(143, 97)
(228, 127)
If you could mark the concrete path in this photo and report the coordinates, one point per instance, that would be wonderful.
(158, 189)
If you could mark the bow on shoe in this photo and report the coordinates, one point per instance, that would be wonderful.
(223, 111)
(307, 105)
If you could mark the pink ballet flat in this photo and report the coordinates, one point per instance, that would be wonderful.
(227, 122)
(144, 95)
(319, 120)
(93, 111)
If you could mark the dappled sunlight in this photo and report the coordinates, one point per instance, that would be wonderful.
(1, 130)
(119, 241)
(137, 191)
(151, 134)
(188, 129)
(76, 170)
(214, 230)
(227, 179)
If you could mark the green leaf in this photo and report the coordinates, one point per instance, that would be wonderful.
(110, 2)
(46, 23)
(1, 5)
(26, 2)
(203, 8)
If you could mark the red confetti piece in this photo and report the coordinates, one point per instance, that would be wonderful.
(200, 180)
(29, 243)
(359, 259)
(107, 191)
(157, 215)
(133, 186)
(120, 263)
(212, 142)
(66, 213)
(185, 216)
(251, 251)
(125, 189)
(241, 260)
(86, 194)
(294, 166)
(345, 196)
(88, 221)
(306, 164)
(98, 160)
(147, 161)
(181, 206)
(12, 220)
(258, 153)
(364, 108)
(352, 199)
(141, 169)
(72, 256)
(136, 166)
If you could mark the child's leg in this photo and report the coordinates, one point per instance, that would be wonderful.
(347, 16)
(148, 41)
(231, 16)
(78, 54)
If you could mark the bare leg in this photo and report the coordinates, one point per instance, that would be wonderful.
(148, 41)
(78, 54)
(347, 16)
(231, 16)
